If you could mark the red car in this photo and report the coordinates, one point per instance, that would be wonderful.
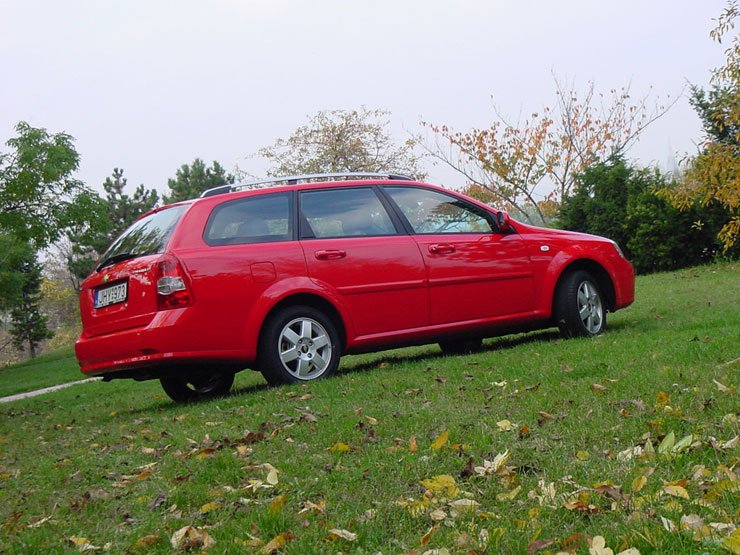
(287, 279)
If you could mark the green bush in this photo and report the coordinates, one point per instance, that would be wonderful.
(623, 203)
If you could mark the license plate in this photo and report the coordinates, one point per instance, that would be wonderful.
(111, 295)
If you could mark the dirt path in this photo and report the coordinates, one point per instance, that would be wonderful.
(28, 394)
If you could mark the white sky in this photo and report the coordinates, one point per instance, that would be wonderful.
(150, 85)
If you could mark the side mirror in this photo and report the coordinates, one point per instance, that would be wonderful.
(503, 221)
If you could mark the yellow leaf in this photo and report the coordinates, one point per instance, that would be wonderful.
(509, 495)
(78, 540)
(583, 455)
(504, 425)
(208, 507)
(732, 542)
(276, 543)
(443, 484)
(662, 399)
(339, 447)
(676, 491)
(441, 440)
(276, 505)
(203, 453)
(464, 505)
(190, 537)
(336, 533)
(639, 483)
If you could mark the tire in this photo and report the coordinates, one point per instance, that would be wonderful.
(298, 344)
(579, 306)
(461, 346)
(193, 388)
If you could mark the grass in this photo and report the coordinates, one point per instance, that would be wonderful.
(118, 466)
(43, 371)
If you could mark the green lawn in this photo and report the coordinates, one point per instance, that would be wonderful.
(45, 370)
(628, 437)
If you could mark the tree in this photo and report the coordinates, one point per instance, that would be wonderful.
(530, 166)
(117, 212)
(343, 141)
(616, 200)
(12, 253)
(39, 198)
(28, 326)
(713, 175)
(191, 180)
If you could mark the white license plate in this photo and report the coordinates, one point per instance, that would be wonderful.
(111, 295)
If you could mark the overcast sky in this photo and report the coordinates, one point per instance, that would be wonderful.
(150, 85)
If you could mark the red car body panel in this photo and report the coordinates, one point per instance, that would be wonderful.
(383, 290)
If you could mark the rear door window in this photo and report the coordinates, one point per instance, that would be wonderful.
(355, 212)
(259, 219)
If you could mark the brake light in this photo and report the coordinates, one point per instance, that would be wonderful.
(172, 287)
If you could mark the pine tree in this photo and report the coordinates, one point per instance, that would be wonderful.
(28, 326)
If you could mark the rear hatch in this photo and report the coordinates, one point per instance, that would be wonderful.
(122, 291)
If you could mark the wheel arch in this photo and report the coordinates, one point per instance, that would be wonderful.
(602, 277)
(315, 301)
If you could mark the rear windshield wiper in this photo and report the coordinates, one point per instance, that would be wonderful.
(120, 257)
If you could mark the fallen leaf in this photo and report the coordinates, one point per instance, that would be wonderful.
(336, 533)
(277, 504)
(662, 399)
(598, 388)
(440, 442)
(598, 547)
(146, 542)
(438, 515)
(204, 453)
(339, 447)
(504, 425)
(723, 388)
(464, 505)
(639, 483)
(191, 537)
(676, 491)
(413, 448)
(208, 507)
(276, 543)
(544, 417)
(509, 495)
(732, 542)
(668, 524)
(444, 485)
(583, 455)
(428, 536)
(539, 545)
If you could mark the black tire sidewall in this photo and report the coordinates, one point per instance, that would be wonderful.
(566, 308)
(177, 388)
(269, 361)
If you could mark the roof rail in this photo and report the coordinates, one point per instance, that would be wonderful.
(294, 179)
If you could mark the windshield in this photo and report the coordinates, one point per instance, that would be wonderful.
(146, 236)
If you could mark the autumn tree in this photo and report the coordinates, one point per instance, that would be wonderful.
(529, 166)
(117, 211)
(192, 179)
(343, 141)
(713, 175)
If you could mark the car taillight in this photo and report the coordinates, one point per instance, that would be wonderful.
(172, 287)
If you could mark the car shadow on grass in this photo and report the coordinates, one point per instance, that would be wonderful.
(497, 344)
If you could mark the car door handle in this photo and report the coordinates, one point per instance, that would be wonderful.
(441, 248)
(330, 254)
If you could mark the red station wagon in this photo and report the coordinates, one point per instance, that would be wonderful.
(287, 279)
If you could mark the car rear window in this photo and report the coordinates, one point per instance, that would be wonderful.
(260, 219)
(146, 236)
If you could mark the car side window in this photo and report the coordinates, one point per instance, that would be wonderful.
(344, 213)
(431, 212)
(259, 219)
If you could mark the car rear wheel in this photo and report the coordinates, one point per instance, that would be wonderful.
(579, 308)
(461, 346)
(192, 388)
(298, 344)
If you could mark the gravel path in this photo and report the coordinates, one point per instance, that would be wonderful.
(28, 394)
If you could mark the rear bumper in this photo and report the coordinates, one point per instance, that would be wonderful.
(163, 342)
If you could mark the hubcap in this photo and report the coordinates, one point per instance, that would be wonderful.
(305, 349)
(589, 307)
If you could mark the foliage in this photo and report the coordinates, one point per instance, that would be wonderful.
(510, 450)
(12, 253)
(621, 202)
(116, 212)
(713, 176)
(39, 198)
(530, 166)
(192, 180)
(28, 326)
(343, 141)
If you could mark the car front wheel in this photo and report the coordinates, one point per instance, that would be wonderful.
(192, 388)
(298, 344)
(579, 308)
